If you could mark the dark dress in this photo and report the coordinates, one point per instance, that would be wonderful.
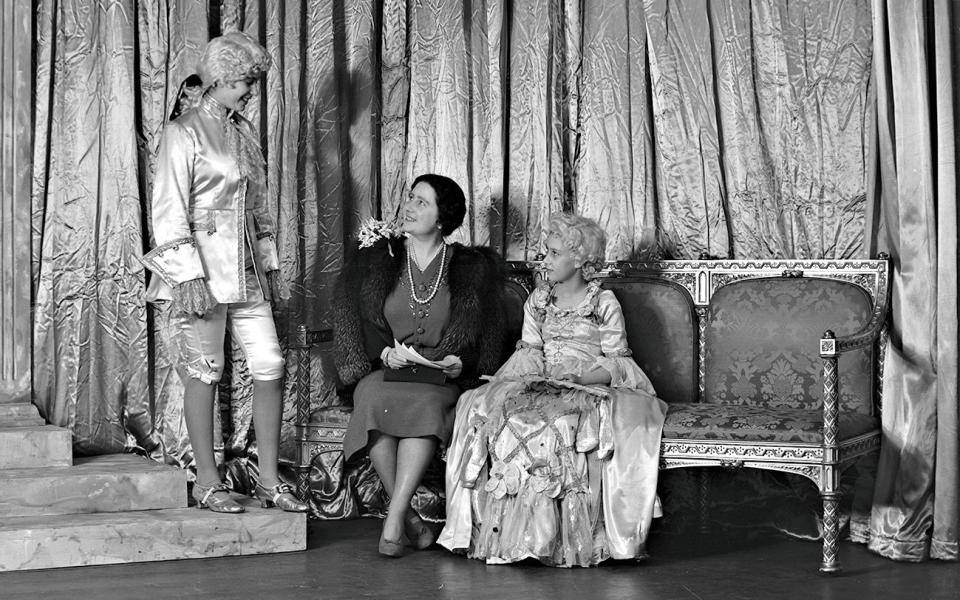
(399, 408)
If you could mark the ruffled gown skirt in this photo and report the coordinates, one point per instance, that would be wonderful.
(607, 499)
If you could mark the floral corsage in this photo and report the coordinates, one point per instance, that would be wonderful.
(372, 230)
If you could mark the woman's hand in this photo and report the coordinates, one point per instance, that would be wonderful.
(392, 359)
(452, 366)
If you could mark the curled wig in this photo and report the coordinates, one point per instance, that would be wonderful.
(583, 237)
(232, 57)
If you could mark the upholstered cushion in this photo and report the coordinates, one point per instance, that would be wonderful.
(661, 332)
(749, 423)
(762, 343)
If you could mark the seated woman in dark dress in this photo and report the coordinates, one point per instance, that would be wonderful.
(445, 301)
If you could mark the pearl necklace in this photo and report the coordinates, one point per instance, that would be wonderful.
(436, 284)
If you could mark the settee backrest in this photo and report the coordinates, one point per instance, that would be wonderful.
(661, 332)
(762, 341)
(741, 331)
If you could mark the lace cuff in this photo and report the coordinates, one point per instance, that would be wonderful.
(624, 373)
(175, 262)
(524, 361)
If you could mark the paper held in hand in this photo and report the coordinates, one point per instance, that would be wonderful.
(410, 354)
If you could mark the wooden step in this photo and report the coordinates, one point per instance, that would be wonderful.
(35, 446)
(140, 536)
(19, 413)
(110, 483)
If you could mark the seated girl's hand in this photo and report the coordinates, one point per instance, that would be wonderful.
(567, 369)
(452, 366)
(571, 377)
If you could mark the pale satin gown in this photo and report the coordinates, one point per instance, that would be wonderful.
(564, 476)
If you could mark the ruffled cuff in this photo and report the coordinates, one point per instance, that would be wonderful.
(175, 262)
(192, 297)
(267, 252)
(624, 373)
(526, 360)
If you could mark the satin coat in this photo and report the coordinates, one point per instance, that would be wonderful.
(206, 215)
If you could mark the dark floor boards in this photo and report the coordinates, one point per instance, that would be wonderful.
(342, 562)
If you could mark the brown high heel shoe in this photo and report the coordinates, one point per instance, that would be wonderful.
(419, 533)
(216, 497)
(279, 495)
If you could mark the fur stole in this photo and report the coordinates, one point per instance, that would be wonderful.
(474, 332)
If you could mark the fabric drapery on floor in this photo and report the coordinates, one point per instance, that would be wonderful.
(915, 511)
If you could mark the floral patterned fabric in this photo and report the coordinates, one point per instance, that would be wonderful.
(752, 423)
(762, 344)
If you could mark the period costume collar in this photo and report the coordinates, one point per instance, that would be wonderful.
(218, 108)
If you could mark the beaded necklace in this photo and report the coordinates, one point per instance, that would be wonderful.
(436, 283)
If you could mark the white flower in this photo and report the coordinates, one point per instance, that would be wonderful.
(372, 230)
(505, 479)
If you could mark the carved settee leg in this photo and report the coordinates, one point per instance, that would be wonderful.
(302, 398)
(830, 474)
(704, 477)
(831, 533)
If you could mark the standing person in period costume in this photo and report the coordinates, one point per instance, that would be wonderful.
(444, 301)
(556, 459)
(215, 261)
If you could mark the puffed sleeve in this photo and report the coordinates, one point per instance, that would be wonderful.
(175, 259)
(617, 358)
(527, 359)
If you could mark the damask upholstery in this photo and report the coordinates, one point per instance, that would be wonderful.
(661, 333)
(706, 421)
(762, 340)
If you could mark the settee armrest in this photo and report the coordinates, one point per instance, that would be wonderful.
(832, 346)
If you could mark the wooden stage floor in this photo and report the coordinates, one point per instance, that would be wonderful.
(342, 562)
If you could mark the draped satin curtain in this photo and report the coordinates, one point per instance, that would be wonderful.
(737, 128)
(916, 512)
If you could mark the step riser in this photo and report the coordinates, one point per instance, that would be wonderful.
(79, 492)
(46, 446)
(22, 422)
(18, 410)
(159, 535)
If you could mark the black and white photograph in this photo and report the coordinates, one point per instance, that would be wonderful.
(479, 299)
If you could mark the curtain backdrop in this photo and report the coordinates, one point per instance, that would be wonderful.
(915, 511)
(738, 128)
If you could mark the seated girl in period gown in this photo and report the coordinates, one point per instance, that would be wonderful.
(556, 458)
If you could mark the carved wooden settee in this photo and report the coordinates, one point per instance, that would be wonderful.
(767, 364)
